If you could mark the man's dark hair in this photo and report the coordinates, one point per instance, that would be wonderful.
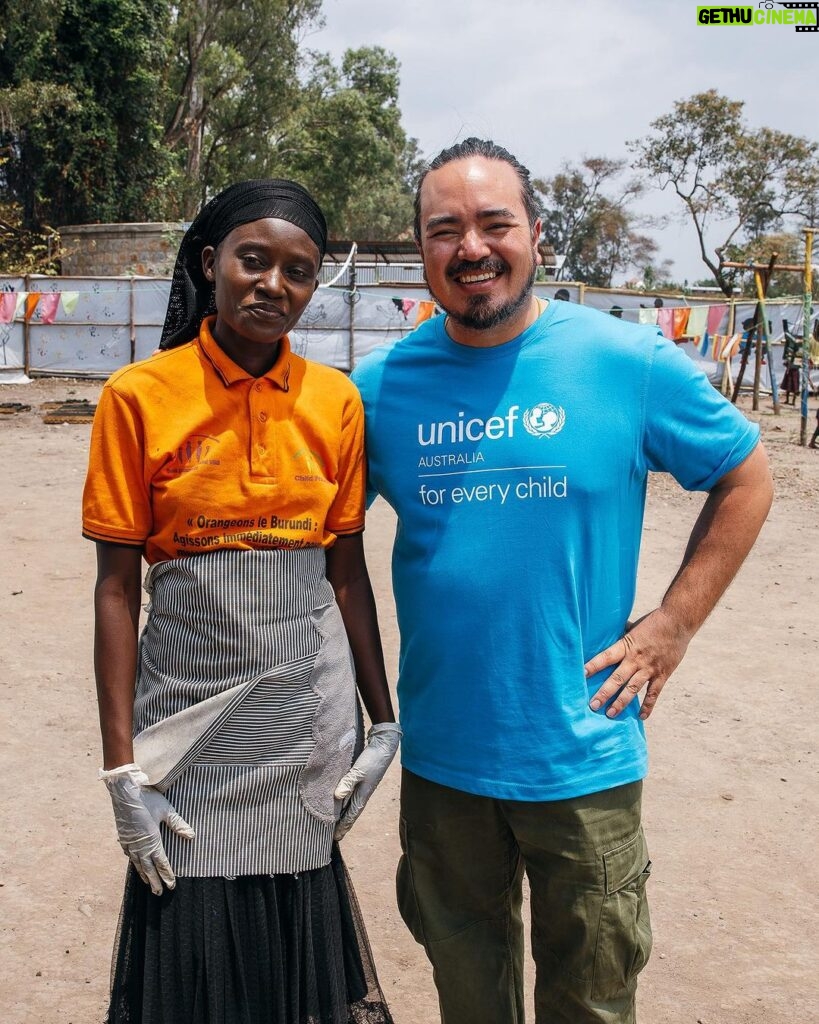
(490, 151)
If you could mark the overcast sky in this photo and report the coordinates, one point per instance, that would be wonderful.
(557, 81)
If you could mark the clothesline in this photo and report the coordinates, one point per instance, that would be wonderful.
(679, 321)
(16, 305)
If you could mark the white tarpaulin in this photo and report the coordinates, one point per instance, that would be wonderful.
(92, 326)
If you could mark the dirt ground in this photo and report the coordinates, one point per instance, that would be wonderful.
(731, 800)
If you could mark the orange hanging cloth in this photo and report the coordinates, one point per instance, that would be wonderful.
(31, 304)
(680, 315)
(426, 310)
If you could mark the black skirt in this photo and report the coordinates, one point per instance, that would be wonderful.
(257, 949)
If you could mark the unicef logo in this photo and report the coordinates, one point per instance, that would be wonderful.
(544, 419)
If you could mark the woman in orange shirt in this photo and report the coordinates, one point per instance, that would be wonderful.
(231, 732)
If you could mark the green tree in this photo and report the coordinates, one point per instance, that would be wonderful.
(117, 110)
(248, 101)
(80, 139)
(233, 86)
(595, 231)
(654, 277)
(734, 182)
(347, 144)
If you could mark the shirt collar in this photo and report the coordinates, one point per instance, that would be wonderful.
(230, 372)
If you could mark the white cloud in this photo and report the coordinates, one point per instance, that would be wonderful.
(554, 82)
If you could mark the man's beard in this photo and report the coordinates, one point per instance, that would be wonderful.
(480, 314)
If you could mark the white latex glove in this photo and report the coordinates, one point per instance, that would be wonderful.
(367, 771)
(138, 811)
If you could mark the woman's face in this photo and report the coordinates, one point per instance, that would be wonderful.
(264, 273)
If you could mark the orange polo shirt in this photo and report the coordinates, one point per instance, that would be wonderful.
(189, 454)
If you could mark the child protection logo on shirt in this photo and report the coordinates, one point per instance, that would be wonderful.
(544, 419)
(196, 451)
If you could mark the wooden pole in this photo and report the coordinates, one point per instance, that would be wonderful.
(132, 318)
(755, 333)
(762, 292)
(726, 372)
(746, 351)
(26, 333)
(353, 297)
(796, 268)
(806, 327)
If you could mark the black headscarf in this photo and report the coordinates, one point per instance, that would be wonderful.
(192, 295)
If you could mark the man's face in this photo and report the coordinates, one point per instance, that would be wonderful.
(478, 248)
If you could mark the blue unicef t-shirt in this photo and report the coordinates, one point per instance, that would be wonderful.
(518, 474)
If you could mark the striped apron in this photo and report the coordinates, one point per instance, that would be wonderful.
(245, 712)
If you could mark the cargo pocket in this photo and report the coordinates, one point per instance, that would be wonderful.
(405, 889)
(624, 935)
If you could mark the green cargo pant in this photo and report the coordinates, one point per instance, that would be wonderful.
(459, 892)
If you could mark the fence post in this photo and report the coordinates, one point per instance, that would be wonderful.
(351, 303)
(132, 324)
(26, 334)
(807, 300)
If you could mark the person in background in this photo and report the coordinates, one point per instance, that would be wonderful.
(792, 361)
(514, 569)
(231, 731)
(563, 295)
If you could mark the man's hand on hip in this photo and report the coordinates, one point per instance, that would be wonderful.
(645, 656)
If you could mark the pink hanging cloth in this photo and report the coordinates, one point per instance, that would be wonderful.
(8, 306)
(49, 304)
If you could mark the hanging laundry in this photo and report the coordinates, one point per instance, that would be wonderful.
(21, 301)
(426, 310)
(665, 321)
(8, 305)
(717, 343)
(399, 305)
(697, 322)
(679, 322)
(712, 324)
(407, 305)
(31, 304)
(730, 347)
(715, 317)
(69, 300)
(49, 304)
(647, 316)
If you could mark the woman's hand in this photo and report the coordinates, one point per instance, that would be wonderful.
(139, 809)
(368, 770)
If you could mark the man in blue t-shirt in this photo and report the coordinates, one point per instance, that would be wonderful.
(513, 438)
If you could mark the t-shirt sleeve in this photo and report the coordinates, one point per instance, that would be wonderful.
(116, 504)
(362, 380)
(346, 514)
(691, 430)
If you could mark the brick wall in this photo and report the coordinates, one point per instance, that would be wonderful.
(109, 250)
